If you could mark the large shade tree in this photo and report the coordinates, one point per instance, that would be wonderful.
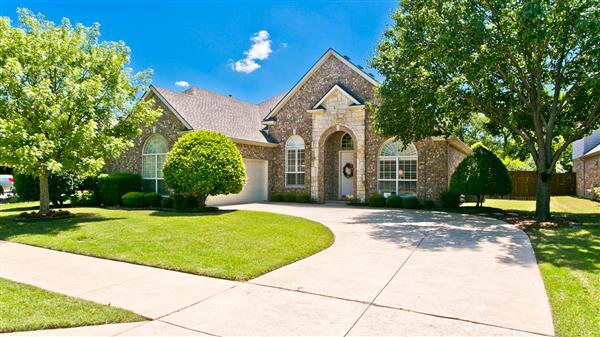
(68, 102)
(530, 66)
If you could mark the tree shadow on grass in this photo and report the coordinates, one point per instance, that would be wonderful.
(190, 213)
(10, 228)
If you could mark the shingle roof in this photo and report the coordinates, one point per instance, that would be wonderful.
(594, 151)
(205, 110)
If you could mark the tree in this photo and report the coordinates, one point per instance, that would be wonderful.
(204, 163)
(68, 102)
(480, 174)
(531, 67)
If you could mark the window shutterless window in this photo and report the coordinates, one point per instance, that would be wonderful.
(294, 162)
(154, 154)
(397, 172)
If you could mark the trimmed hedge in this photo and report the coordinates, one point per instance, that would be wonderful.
(289, 197)
(449, 199)
(113, 186)
(428, 204)
(166, 202)
(277, 197)
(134, 199)
(84, 198)
(394, 201)
(411, 202)
(376, 200)
(153, 199)
(303, 198)
(183, 202)
(61, 187)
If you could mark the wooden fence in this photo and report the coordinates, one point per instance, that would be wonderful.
(525, 183)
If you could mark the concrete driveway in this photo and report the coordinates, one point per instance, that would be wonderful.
(388, 273)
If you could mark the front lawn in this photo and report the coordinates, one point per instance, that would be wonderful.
(23, 307)
(237, 245)
(569, 260)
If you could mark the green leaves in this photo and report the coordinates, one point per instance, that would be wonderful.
(68, 102)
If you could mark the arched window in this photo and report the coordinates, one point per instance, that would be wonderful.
(397, 168)
(347, 142)
(294, 162)
(153, 158)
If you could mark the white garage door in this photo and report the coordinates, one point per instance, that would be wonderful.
(255, 189)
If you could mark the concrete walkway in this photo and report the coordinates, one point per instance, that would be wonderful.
(388, 273)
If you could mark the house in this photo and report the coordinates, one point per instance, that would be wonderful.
(586, 164)
(315, 138)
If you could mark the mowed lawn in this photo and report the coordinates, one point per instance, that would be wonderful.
(237, 245)
(569, 260)
(23, 307)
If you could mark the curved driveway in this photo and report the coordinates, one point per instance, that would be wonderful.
(389, 272)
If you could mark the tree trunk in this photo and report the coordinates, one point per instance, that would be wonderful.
(202, 201)
(44, 193)
(542, 198)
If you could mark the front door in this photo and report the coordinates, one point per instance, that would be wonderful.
(347, 171)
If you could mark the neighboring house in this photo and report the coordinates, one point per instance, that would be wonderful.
(315, 138)
(586, 164)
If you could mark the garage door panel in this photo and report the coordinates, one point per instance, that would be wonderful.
(255, 190)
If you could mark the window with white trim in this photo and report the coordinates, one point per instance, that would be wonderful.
(154, 154)
(347, 142)
(397, 168)
(294, 162)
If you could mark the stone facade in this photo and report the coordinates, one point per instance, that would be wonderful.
(326, 105)
(587, 171)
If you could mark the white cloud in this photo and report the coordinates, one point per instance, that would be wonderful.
(183, 84)
(260, 50)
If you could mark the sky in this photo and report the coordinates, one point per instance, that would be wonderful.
(252, 50)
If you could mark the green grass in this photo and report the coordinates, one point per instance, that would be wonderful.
(237, 245)
(23, 307)
(569, 260)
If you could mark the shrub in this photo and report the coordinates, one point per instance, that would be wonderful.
(182, 202)
(134, 199)
(153, 199)
(84, 198)
(411, 202)
(289, 197)
(450, 199)
(303, 197)
(61, 187)
(428, 204)
(277, 197)
(376, 200)
(204, 163)
(1, 190)
(596, 191)
(479, 174)
(166, 202)
(91, 184)
(113, 186)
(394, 201)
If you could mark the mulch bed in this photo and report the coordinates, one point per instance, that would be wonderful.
(52, 214)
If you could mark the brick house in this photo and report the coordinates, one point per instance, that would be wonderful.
(315, 138)
(586, 164)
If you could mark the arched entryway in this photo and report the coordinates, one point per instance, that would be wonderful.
(338, 165)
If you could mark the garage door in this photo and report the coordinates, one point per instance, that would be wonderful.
(255, 189)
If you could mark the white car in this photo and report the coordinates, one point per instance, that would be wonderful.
(7, 182)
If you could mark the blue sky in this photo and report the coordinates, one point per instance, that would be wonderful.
(199, 42)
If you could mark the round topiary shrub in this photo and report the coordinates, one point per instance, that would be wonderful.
(411, 202)
(394, 201)
(84, 198)
(376, 200)
(166, 202)
(277, 197)
(303, 198)
(481, 173)
(183, 202)
(204, 163)
(450, 199)
(289, 197)
(153, 199)
(134, 199)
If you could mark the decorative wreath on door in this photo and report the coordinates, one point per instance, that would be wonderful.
(348, 170)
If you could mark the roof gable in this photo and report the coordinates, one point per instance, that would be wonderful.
(337, 89)
(330, 53)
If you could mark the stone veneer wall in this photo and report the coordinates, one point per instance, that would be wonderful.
(167, 125)
(294, 116)
(587, 171)
(455, 156)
